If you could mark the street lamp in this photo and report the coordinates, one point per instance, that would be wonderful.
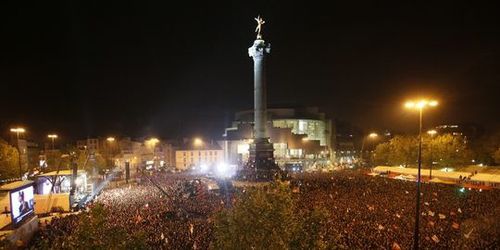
(419, 106)
(18, 131)
(198, 142)
(110, 141)
(52, 138)
(153, 141)
(369, 136)
(431, 132)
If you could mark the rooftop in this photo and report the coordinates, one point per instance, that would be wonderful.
(15, 184)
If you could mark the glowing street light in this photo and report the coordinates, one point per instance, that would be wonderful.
(52, 137)
(18, 131)
(432, 132)
(110, 139)
(420, 106)
(197, 142)
(154, 141)
(369, 136)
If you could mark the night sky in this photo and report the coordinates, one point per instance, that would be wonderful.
(176, 68)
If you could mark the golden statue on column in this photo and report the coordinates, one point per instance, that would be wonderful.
(258, 29)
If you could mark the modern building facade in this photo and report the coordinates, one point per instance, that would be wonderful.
(298, 135)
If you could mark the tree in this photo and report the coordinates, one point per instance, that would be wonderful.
(404, 150)
(381, 154)
(400, 150)
(447, 150)
(9, 161)
(265, 218)
(85, 160)
(53, 160)
(485, 148)
(496, 156)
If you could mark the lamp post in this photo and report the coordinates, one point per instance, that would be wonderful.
(18, 131)
(153, 141)
(369, 136)
(110, 141)
(419, 106)
(198, 142)
(52, 138)
(431, 133)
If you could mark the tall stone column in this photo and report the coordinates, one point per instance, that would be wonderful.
(259, 52)
(261, 158)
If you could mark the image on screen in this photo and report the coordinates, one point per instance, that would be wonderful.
(22, 203)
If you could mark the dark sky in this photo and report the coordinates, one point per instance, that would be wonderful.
(176, 68)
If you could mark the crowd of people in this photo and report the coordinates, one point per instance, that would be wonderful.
(170, 210)
(365, 212)
(375, 212)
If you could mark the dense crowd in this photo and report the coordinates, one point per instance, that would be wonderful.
(170, 211)
(169, 219)
(365, 212)
(376, 212)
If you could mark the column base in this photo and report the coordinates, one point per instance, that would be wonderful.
(261, 165)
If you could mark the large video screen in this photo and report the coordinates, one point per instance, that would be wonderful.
(21, 203)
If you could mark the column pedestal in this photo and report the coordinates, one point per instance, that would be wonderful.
(261, 165)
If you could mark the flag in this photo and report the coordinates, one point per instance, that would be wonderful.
(395, 246)
(468, 234)
(435, 238)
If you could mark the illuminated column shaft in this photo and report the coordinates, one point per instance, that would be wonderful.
(258, 52)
